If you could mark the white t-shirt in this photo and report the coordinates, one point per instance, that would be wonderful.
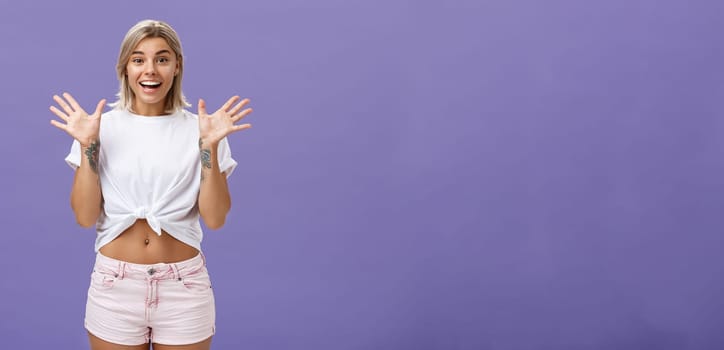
(150, 169)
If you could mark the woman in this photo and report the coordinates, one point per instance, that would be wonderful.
(145, 172)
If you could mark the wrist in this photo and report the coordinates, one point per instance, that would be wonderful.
(205, 144)
(89, 142)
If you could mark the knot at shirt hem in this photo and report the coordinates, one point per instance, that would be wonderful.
(144, 213)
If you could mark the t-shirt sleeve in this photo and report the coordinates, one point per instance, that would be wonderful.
(73, 157)
(226, 163)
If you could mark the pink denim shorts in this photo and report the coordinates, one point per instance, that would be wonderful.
(133, 304)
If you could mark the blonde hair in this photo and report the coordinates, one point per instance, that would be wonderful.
(175, 98)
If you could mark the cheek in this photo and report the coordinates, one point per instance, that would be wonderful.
(170, 72)
(170, 77)
(130, 74)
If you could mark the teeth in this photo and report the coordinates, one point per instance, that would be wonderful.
(150, 84)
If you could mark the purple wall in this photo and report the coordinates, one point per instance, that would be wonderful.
(484, 175)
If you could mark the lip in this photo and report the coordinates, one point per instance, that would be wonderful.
(149, 90)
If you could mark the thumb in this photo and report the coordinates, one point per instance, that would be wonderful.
(99, 107)
(202, 107)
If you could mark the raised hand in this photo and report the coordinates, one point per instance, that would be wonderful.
(216, 126)
(78, 123)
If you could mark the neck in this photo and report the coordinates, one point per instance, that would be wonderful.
(149, 110)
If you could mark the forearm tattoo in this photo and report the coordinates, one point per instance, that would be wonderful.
(91, 152)
(205, 158)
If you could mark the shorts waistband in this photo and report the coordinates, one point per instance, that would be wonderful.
(159, 271)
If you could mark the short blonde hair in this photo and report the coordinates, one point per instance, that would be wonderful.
(175, 98)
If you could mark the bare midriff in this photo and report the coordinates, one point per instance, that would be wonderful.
(139, 244)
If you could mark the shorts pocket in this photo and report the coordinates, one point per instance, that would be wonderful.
(197, 282)
(102, 279)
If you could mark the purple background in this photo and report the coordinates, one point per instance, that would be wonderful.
(420, 175)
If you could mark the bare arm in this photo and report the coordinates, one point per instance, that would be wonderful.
(214, 198)
(85, 196)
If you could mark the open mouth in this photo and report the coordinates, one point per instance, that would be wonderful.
(150, 85)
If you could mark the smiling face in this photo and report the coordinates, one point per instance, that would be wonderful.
(150, 71)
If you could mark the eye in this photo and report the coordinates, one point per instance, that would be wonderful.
(163, 60)
(136, 60)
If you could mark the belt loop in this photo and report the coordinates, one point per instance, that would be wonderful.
(121, 269)
(176, 274)
(203, 258)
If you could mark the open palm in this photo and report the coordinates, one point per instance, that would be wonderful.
(216, 126)
(78, 123)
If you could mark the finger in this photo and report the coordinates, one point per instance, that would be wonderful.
(59, 113)
(99, 107)
(239, 106)
(63, 104)
(72, 102)
(202, 107)
(240, 127)
(59, 125)
(228, 103)
(243, 114)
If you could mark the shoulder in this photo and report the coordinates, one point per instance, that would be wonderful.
(109, 120)
(113, 114)
(186, 114)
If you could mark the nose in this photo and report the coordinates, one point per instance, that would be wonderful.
(149, 68)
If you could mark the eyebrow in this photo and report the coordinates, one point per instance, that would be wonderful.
(157, 53)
